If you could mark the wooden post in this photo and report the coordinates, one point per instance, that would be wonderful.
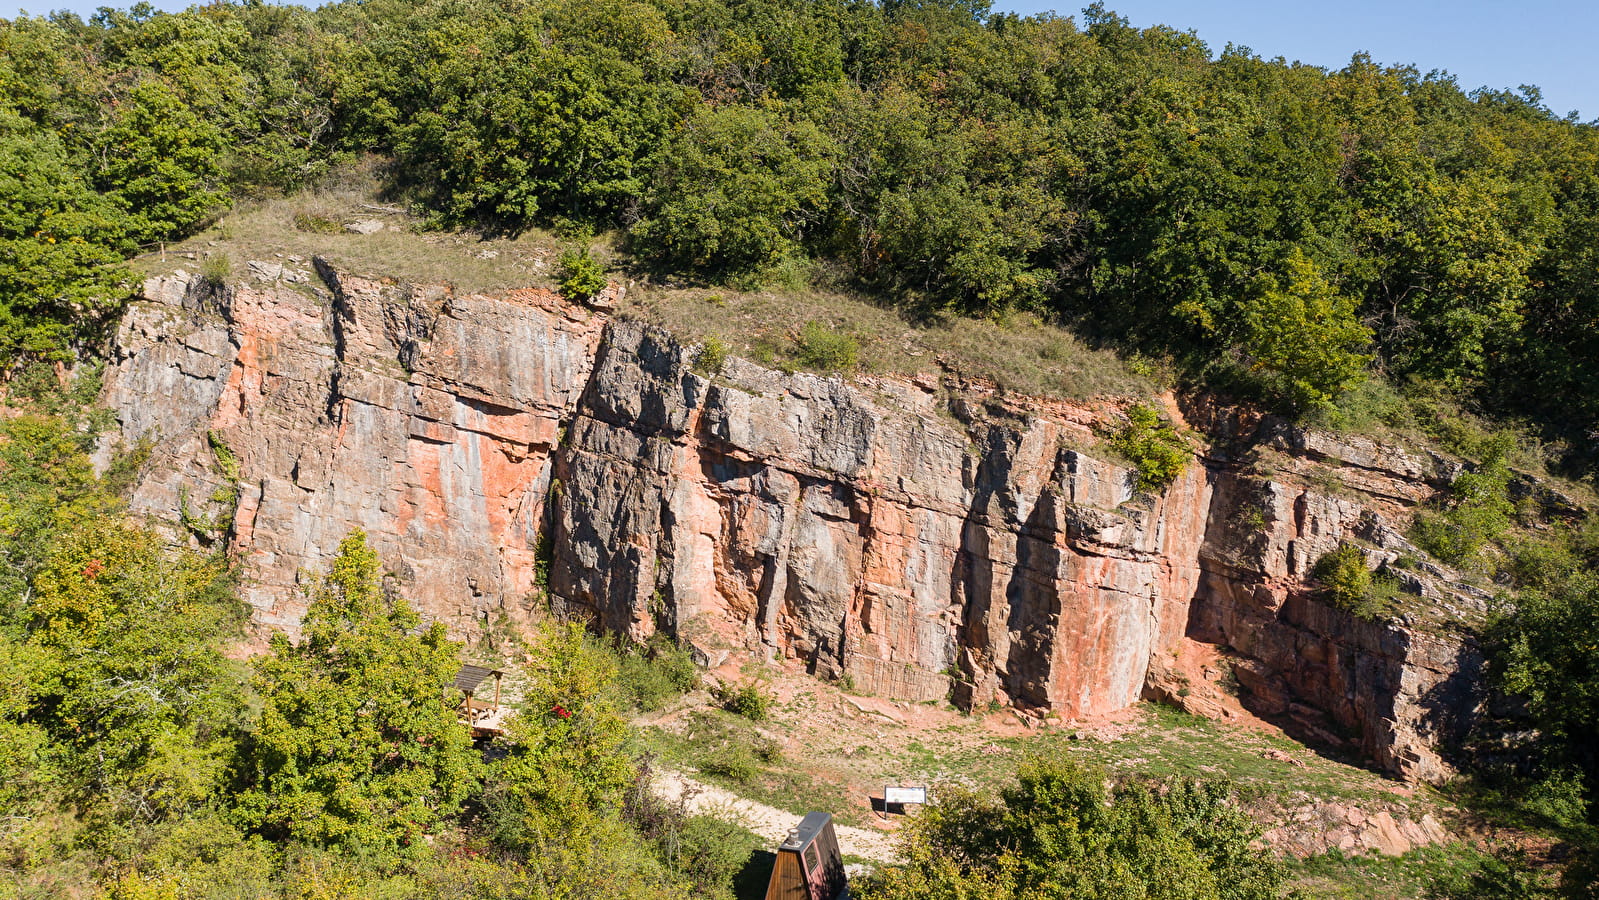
(496, 690)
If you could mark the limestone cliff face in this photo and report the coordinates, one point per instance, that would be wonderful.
(426, 419)
(926, 538)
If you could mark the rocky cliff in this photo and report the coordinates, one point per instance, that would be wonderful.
(923, 537)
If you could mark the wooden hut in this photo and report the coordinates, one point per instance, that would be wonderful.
(481, 715)
(808, 865)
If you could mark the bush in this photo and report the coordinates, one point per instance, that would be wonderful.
(1306, 335)
(710, 852)
(1477, 515)
(1505, 877)
(1546, 654)
(216, 270)
(706, 851)
(735, 188)
(1543, 562)
(1152, 446)
(751, 701)
(1061, 831)
(1344, 575)
(650, 675)
(1351, 586)
(729, 747)
(826, 350)
(582, 276)
(712, 356)
(733, 761)
(1558, 799)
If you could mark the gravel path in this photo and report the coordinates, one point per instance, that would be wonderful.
(768, 821)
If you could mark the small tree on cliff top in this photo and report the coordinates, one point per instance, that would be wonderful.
(356, 744)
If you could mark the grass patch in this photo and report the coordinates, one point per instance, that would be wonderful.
(1419, 873)
(731, 752)
(311, 223)
(1166, 743)
(1021, 352)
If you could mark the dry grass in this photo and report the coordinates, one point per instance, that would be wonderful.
(1020, 353)
(312, 224)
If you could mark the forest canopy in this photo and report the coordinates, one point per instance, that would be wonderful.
(1278, 228)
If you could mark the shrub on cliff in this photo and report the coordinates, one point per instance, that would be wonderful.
(1476, 514)
(1349, 584)
(582, 276)
(1154, 448)
(825, 350)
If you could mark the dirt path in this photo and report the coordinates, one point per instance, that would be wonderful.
(767, 821)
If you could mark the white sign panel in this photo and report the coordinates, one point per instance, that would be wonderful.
(904, 795)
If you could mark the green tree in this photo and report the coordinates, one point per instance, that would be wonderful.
(60, 244)
(357, 743)
(568, 767)
(162, 160)
(1550, 657)
(136, 689)
(548, 113)
(1060, 832)
(734, 190)
(1305, 334)
(556, 797)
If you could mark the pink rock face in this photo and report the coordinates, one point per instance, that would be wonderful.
(424, 418)
(979, 548)
(802, 516)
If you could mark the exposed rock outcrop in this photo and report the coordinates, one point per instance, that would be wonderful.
(926, 538)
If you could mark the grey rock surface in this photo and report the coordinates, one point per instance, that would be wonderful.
(927, 540)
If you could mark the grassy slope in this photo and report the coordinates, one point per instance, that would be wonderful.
(834, 757)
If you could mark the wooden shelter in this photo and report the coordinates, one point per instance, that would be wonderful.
(809, 866)
(482, 716)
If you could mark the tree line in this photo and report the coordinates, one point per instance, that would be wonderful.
(1279, 228)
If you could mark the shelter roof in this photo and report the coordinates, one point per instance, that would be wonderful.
(471, 676)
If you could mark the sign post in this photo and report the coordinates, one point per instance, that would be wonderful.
(903, 797)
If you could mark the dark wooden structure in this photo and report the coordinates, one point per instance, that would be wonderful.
(482, 716)
(809, 866)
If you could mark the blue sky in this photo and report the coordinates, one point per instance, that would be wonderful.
(1549, 43)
